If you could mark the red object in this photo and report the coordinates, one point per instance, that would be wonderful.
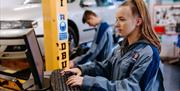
(160, 29)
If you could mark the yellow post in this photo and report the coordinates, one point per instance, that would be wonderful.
(55, 34)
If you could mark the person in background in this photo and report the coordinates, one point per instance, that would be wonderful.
(102, 43)
(178, 31)
(134, 65)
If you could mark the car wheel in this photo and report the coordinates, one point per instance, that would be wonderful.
(73, 39)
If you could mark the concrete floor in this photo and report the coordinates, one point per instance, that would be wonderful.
(171, 74)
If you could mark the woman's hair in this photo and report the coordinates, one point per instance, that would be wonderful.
(138, 8)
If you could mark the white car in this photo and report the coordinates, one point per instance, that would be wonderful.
(78, 32)
(83, 33)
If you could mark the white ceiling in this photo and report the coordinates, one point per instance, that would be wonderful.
(7, 10)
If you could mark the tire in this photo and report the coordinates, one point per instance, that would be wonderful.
(73, 39)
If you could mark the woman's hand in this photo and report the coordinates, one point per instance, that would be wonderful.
(74, 80)
(75, 71)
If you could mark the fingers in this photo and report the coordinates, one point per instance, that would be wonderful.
(77, 71)
(71, 81)
(62, 73)
(66, 71)
(74, 81)
(74, 71)
(74, 84)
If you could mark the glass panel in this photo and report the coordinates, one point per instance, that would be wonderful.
(70, 1)
(104, 2)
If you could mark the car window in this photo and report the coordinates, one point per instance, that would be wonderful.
(70, 1)
(96, 3)
(176, 0)
(119, 0)
(104, 2)
(168, 1)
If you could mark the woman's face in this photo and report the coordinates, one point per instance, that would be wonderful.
(125, 21)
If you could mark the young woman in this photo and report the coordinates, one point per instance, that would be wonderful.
(134, 65)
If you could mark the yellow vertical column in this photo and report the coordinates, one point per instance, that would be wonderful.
(55, 34)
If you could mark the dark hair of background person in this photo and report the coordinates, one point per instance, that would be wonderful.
(86, 15)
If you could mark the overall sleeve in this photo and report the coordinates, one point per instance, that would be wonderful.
(99, 68)
(96, 68)
(130, 83)
(94, 50)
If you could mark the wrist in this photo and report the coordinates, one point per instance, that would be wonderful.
(79, 71)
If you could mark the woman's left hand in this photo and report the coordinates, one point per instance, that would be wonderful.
(74, 80)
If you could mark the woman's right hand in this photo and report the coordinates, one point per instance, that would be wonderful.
(75, 71)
